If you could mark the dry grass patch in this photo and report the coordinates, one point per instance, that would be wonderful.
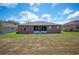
(64, 43)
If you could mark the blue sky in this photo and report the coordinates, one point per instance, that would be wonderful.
(52, 12)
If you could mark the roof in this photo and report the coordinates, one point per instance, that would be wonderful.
(40, 23)
(72, 22)
(8, 25)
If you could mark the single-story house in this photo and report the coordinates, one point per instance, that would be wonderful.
(39, 27)
(71, 26)
(7, 27)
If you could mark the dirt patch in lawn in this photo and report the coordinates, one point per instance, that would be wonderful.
(40, 44)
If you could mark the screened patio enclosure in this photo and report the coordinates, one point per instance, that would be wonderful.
(40, 29)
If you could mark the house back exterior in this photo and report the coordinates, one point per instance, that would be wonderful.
(7, 28)
(39, 27)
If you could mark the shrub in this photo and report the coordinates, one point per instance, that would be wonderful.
(71, 30)
(65, 30)
(17, 32)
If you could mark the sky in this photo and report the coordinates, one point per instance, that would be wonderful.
(59, 13)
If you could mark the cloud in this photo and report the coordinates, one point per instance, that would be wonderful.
(28, 16)
(61, 18)
(54, 4)
(46, 17)
(34, 6)
(67, 11)
(58, 20)
(25, 16)
(13, 19)
(73, 15)
(8, 5)
(31, 4)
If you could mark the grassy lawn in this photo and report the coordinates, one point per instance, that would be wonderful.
(63, 43)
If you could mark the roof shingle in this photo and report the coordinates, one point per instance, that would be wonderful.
(40, 23)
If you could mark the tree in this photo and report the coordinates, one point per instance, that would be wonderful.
(12, 22)
(1, 20)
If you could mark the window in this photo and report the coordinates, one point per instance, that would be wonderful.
(24, 29)
(50, 27)
(40, 28)
(58, 27)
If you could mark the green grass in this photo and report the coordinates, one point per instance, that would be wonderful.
(61, 43)
(14, 35)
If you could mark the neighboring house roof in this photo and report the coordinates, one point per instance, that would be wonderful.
(72, 22)
(40, 23)
(8, 25)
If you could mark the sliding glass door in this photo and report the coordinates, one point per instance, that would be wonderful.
(40, 28)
